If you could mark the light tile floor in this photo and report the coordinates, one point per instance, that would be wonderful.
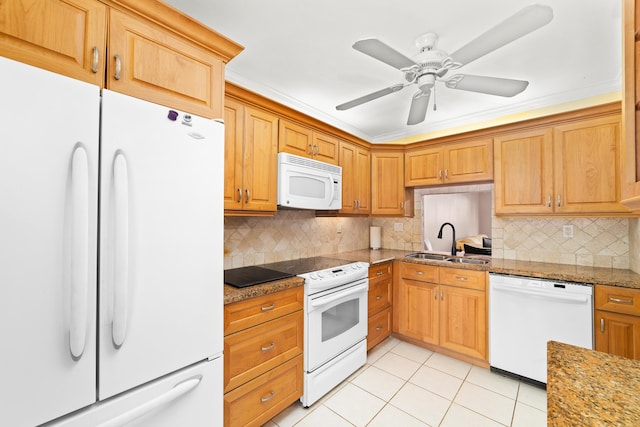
(405, 385)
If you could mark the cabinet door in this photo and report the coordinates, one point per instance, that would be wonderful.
(363, 180)
(325, 148)
(418, 310)
(424, 167)
(523, 172)
(387, 183)
(356, 178)
(468, 161)
(617, 334)
(586, 156)
(295, 139)
(379, 294)
(260, 164)
(233, 141)
(59, 36)
(463, 321)
(150, 63)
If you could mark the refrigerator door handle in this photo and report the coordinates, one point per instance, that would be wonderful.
(79, 251)
(164, 399)
(121, 246)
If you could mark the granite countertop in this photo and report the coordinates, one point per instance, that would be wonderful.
(570, 273)
(590, 388)
(233, 294)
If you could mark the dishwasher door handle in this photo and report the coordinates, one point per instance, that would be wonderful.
(551, 296)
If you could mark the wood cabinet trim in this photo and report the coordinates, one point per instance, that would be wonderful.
(180, 24)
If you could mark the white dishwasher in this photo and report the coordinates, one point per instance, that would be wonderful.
(525, 313)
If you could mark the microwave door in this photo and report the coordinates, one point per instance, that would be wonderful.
(308, 190)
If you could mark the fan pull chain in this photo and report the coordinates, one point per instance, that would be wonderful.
(435, 107)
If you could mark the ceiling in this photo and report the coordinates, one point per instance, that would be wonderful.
(299, 53)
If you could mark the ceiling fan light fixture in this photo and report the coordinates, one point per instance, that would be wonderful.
(426, 82)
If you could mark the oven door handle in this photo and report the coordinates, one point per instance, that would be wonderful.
(320, 302)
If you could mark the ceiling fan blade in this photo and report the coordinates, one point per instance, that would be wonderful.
(527, 20)
(380, 51)
(369, 97)
(488, 85)
(419, 105)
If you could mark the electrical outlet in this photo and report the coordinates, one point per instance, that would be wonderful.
(567, 231)
(398, 226)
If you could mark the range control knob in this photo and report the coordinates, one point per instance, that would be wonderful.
(320, 275)
(313, 276)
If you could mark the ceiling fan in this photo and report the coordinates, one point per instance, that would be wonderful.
(431, 65)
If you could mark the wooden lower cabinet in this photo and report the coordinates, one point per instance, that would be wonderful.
(617, 321)
(463, 314)
(445, 308)
(379, 303)
(263, 365)
(256, 402)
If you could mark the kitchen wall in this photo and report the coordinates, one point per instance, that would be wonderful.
(634, 244)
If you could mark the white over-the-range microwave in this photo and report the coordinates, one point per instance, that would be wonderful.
(308, 184)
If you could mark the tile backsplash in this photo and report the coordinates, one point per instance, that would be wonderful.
(598, 242)
(290, 234)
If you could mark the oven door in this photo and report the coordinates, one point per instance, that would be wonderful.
(336, 320)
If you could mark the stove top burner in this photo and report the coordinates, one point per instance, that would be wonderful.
(306, 265)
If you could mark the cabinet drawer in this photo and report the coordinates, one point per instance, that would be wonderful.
(619, 300)
(254, 351)
(379, 295)
(463, 278)
(380, 270)
(245, 314)
(256, 402)
(423, 273)
(379, 328)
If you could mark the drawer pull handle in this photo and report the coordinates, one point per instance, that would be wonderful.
(378, 328)
(269, 347)
(462, 278)
(435, 293)
(602, 325)
(118, 67)
(268, 398)
(268, 307)
(420, 273)
(379, 297)
(441, 295)
(379, 273)
(94, 62)
(620, 300)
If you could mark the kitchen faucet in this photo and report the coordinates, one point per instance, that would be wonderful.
(453, 242)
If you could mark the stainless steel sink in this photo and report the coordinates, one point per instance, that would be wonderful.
(423, 255)
(467, 261)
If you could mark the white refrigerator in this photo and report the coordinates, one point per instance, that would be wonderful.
(111, 252)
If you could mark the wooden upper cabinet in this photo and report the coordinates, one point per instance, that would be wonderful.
(356, 178)
(388, 195)
(250, 158)
(325, 148)
(151, 63)
(630, 104)
(424, 167)
(450, 164)
(586, 171)
(67, 37)
(233, 153)
(305, 142)
(524, 172)
(468, 161)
